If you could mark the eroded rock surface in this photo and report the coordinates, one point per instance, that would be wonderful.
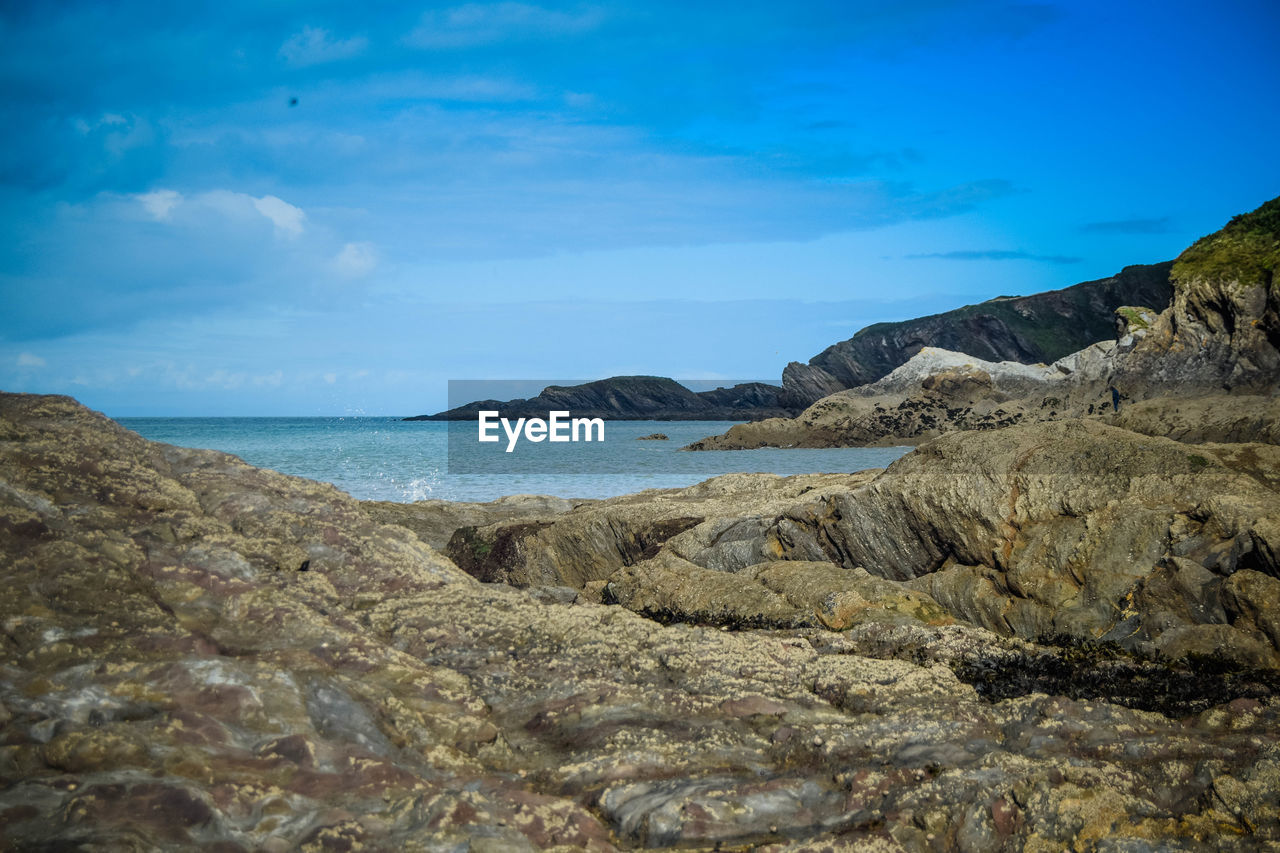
(435, 521)
(198, 654)
(1072, 528)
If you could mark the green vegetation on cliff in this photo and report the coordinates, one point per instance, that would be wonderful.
(1246, 250)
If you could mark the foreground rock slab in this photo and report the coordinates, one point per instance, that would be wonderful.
(198, 654)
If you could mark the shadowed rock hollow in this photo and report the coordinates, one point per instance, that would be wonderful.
(198, 654)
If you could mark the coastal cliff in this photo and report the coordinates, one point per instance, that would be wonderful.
(1215, 349)
(1222, 331)
(1028, 329)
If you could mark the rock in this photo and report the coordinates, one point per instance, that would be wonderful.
(1252, 602)
(1027, 329)
(1071, 528)
(435, 521)
(1223, 329)
(1050, 528)
(1231, 418)
(1133, 322)
(654, 436)
(937, 391)
(805, 383)
(1220, 334)
(171, 683)
(594, 540)
(955, 374)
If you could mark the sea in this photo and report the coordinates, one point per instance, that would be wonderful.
(376, 458)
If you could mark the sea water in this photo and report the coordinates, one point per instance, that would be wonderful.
(394, 460)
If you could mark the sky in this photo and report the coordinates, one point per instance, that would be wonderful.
(288, 208)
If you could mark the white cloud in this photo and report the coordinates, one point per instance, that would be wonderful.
(313, 45)
(26, 359)
(475, 24)
(287, 218)
(356, 260)
(159, 203)
(330, 378)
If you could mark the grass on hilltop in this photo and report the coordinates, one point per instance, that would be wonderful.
(1246, 250)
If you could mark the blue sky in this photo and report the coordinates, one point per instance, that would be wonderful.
(499, 190)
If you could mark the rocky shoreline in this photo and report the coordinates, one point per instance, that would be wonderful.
(1053, 636)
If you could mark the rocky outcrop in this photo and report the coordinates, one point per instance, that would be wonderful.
(1072, 528)
(1233, 418)
(197, 654)
(937, 391)
(947, 372)
(591, 543)
(1214, 350)
(435, 521)
(633, 398)
(1222, 331)
(1028, 329)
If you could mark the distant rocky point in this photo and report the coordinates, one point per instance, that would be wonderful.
(634, 398)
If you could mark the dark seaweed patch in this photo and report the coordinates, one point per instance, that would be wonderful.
(1085, 670)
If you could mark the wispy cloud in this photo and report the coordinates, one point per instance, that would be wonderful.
(1161, 225)
(287, 218)
(994, 255)
(26, 359)
(314, 45)
(476, 24)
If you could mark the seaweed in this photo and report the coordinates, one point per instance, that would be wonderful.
(1089, 670)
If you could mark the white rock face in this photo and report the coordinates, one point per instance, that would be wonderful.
(1006, 376)
(1092, 364)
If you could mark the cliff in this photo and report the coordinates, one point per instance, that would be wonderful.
(1028, 329)
(1222, 331)
(1214, 350)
